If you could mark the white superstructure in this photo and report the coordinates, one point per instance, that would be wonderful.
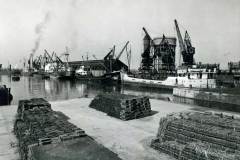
(186, 77)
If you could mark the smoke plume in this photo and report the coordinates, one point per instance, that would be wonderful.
(39, 30)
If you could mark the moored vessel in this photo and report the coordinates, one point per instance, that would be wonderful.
(158, 68)
(186, 77)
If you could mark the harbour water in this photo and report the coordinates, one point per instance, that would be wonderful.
(64, 96)
(55, 89)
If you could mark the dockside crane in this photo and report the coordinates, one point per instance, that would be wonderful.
(109, 58)
(102, 64)
(125, 46)
(37, 62)
(188, 43)
(49, 59)
(110, 54)
(145, 31)
(186, 49)
(128, 52)
(147, 58)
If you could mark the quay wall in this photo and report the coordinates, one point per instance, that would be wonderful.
(207, 96)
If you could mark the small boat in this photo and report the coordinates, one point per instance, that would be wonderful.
(84, 74)
(16, 78)
(65, 73)
(16, 75)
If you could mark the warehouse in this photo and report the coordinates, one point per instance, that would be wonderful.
(100, 67)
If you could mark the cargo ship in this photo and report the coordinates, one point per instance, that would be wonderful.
(158, 65)
(186, 77)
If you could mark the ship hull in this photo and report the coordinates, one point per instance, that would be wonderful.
(106, 79)
(169, 83)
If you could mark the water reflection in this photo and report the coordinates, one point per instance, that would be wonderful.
(208, 104)
(53, 89)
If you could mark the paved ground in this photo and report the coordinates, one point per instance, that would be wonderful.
(7, 138)
(129, 139)
(84, 148)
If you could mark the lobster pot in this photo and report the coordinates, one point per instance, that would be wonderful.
(197, 135)
(125, 107)
(37, 124)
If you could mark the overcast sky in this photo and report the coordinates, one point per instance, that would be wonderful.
(94, 26)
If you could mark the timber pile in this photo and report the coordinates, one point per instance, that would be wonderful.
(199, 136)
(122, 106)
(37, 124)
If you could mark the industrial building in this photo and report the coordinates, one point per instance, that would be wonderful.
(164, 53)
(234, 67)
(100, 67)
(109, 64)
(158, 57)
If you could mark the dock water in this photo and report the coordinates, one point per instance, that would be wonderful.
(129, 139)
(223, 101)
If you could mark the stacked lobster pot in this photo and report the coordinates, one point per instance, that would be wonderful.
(125, 107)
(199, 136)
(37, 124)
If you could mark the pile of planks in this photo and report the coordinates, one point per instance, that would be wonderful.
(197, 135)
(125, 107)
(37, 124)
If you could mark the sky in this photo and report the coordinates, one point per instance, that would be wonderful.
(94, 26)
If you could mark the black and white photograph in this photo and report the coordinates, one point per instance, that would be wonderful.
(119, 80)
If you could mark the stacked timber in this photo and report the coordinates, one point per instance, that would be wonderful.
(199, 136)
(37, 124)
(125, 107)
